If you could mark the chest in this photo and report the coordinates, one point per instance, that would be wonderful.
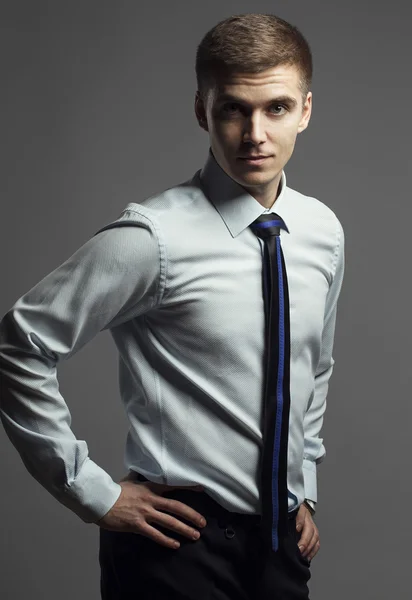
(214, 293)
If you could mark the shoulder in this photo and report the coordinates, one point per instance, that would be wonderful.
(311, 210)
(179, 197)
(142, 226)
(310, 205)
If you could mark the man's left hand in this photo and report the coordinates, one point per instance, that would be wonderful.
(309, 543)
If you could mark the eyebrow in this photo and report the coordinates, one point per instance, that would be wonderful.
(279, 99)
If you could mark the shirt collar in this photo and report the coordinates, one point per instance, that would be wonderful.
(235, 205)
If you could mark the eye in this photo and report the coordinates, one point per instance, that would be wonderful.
(277, 105)
(230, 107)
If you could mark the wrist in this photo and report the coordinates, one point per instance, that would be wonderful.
(310, 505)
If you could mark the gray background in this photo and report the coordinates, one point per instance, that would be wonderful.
(97, 111)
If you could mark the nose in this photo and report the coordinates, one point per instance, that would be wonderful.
(254, 130)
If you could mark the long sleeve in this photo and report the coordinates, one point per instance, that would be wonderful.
(314, 450)
(113, 277)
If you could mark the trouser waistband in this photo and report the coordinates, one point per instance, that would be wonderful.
(204, 502)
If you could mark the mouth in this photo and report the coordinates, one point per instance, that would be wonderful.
(254, 160)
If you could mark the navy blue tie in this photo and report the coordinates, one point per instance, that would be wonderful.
(273, 470)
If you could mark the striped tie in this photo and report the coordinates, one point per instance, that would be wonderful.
(274, 491)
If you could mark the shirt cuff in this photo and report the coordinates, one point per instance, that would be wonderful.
(92, 494)
(311, 503)
(309, 478)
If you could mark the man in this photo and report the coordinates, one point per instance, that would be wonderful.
(181, 280)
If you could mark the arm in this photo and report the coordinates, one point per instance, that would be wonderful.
(314, 450)
(112, 278)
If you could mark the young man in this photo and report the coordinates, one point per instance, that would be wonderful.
(204, 308)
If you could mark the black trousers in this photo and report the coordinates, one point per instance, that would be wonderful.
(227, 562)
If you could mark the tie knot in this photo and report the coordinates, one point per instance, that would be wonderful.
(267, 224)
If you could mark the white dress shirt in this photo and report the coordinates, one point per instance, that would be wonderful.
(179, 285)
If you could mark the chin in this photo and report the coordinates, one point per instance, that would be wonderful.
(254, 178)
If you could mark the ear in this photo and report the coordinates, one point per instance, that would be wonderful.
(306, 113)
(200, 112)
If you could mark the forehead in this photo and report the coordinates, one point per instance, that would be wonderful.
(278, 80)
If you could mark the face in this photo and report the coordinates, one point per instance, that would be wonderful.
(255, 114)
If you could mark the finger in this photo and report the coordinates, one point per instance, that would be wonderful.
(157, 536)
(179, 508)
(170, 522)
(314, 551)
(311, 543)
(299, 524)
(306, 537)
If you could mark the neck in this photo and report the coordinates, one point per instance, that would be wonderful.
(264, 195)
